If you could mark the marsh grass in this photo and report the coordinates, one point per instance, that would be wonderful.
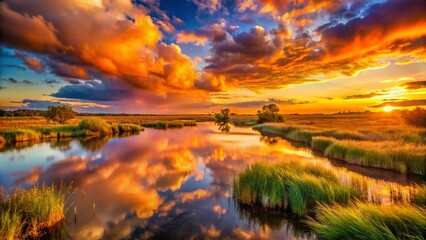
(169, 124)
(321, 143)
(243, 122)
(400, 156)
(96, 126)
(29, 212)
(420, 195)
(128, 127)
(290, 185)
(360, 220)
(397, 156)
(20, 135)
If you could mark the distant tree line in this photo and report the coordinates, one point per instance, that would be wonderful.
(41, 113)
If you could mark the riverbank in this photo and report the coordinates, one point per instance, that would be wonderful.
(371, 149)
(86, 127)
(335, 208)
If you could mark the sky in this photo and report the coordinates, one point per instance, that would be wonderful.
(198, 56)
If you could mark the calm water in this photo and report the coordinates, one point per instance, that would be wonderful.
(172, 184)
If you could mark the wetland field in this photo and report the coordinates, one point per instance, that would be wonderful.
(340, 176)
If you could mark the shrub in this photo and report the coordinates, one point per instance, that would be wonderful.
(416, 118)
(95, 125)
(269, 113)
(223, 116)
(127, 127)
(60, 114)
(370, 221)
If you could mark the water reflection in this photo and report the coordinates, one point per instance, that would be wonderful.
(223, 126)
(168, 184)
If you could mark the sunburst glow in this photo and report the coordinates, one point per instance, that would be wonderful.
(388, 109)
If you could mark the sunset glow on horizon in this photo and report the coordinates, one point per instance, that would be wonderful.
(198, 56)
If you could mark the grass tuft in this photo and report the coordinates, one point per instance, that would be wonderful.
(291, 185)
(95, 125)
(361, 220)
(321, 143)
(127, 127)
(20, 135)
(420, 195)
(29, 212)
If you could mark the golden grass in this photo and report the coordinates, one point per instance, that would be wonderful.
(29, 212)
(362, 220)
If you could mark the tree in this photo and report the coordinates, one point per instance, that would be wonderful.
(60, 114)
(223, 116)
(269, 113)
(416, 118)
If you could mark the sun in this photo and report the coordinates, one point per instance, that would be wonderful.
(388, 109)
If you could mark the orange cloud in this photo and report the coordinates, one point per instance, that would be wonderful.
(125, 49)
(27, 32)
(190, 37)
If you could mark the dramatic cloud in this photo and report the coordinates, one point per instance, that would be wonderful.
(142, 55)
(32, 62)
(252, 104)
(94, 90)
(208, 5)
(39, 104)
(215, 32)
(128, 48)
(345, 48)
(32, 33)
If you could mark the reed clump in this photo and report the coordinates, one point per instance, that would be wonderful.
(361, 220)
(30, 212)
(420, 195)
(168, 124)
(20, 135)
(243, 122)
(96, 126)
(397, 156)
(128, 127)
(290, 185)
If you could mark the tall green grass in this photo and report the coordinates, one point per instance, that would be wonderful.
(400, 157)
(321, 143)
(29, 212)
(361, 220)
(420, 195)
(20, 135)
(61, 132)
(291, 185)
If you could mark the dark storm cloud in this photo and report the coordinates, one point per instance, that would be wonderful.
(93, 90)
(39, 104)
